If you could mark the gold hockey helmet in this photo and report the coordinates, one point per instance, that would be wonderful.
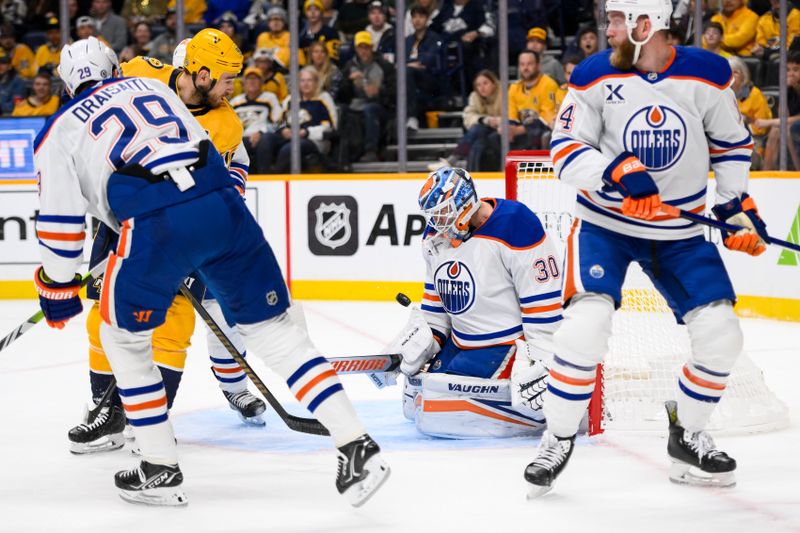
(213, 50)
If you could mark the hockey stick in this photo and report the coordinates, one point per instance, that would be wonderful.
(39, 315)
(730, 228)
(104, 400)
(296, 423)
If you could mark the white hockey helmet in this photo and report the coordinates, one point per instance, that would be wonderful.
(86, 60)
(658, 11)
(179, 54)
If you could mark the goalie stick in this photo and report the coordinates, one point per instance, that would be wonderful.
(730, 228)
(296, 423)
(39, 315)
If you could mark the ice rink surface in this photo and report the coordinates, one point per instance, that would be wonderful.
(242, 479)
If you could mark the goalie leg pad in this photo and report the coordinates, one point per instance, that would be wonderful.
(717, 341)
(581, 343)
(491, 362)
(466, 407)
(412, 390)
(142, 392)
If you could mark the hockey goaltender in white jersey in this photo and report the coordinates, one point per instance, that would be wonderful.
(491, 304)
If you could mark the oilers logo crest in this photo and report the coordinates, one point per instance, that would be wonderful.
(455, 286)
(657, 136)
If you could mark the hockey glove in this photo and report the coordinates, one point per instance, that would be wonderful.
(629, 177)
(752, 238)
(415, 344)
(59, 301)
(528, 379)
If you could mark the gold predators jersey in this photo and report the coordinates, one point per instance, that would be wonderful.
(222, 123)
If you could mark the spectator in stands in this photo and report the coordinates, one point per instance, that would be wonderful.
(772, 149)
(41, 102)
(768, 31)
(752, 104)
(12, 88)
(164, 45)
(368, 90)
(216, 8)
(13, 12)
(48, 55)
(21, 55)
(140, 46)
(537, 41)
(260, 113)
(276, 38)
(331, 78)
(378, 28)
(227, 25)
(531, 105)
(588, 41)
(432, 6)
(257, 12)
(86, 27)
(522, 16)
(317, 121)
(713, 37)
(739, 25)
(482, 117)
(465, 22)
(110, 26)
(135, 11)
(274, 81)
(423, 53)
(569, 64)
(193, 10)
(316, 30)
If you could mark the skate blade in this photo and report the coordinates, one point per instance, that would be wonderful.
(128, 432)
(362, 491)
(537, 491)
(103, 444)
(160, 497)
(683, 474)
(250, 421)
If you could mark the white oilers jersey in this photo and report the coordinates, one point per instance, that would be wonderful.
(260, 115)
(119, 122)
(679, 123)
(502, 283)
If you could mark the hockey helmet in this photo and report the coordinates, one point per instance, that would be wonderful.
(448, 200)
(86, 60)
(215, 51)
(658, 11)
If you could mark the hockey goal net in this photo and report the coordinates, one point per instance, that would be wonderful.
(648, 347)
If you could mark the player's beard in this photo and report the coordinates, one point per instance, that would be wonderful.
(622, 56)
(207, 99)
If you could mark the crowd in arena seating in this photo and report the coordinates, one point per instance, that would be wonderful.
(348, 64)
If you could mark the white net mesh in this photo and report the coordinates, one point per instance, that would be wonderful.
(648, 347)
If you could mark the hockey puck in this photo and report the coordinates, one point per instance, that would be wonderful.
(402, 299)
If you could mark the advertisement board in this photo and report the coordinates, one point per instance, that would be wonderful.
(16, 147)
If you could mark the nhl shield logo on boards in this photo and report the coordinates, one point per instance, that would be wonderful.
(455, 286)
(656, 134)
(333, 225)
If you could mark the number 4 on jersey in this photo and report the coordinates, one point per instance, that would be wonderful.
(566, 119)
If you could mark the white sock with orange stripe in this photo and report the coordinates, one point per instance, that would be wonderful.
(716, 344)
(142, 392)
(287, 349)
(581, 343)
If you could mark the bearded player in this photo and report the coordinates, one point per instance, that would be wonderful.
(641, 125)
(211, 61)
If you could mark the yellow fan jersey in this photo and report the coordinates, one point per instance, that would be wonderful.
(222, 123)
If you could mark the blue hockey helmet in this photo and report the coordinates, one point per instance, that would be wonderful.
(448, 200)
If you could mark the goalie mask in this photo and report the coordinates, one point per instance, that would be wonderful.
(658, 11)
(448, 200)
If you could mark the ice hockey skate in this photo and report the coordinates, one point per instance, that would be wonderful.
(361, 470)
(247, 406)
(104, 433)
(554, 453)
(151, 484)
(695, 458)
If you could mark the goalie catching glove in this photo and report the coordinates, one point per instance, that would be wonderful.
(752, 238)
(416, 344)
(59, 301)
(528, 379)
